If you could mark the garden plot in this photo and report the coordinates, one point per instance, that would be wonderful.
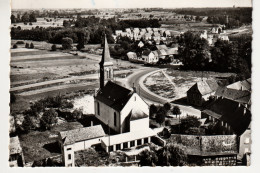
(39, 56)
(21, 49)
(182, 81)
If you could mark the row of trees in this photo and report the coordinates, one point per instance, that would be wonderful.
(26, 17)
(224, 56)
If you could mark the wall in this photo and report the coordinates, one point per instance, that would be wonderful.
(140, 124)
(134, 102)
(244, 143)
(66, 153)
(86, 144)
(107, 116)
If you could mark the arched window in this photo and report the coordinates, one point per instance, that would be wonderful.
(114, 119)
(98, 108)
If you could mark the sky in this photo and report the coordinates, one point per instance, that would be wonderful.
(32, 4)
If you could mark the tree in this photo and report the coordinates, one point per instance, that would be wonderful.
(49, 118)
(167, 106)
(153, 111)
(27, 45)
(53, 47)
(27, 124)
(67, 43)
(176, 111)
(13, 19)
(14, 46)
(160, 116)
(148, 158)
(31, 46)
(32, 17)
(77, 114)
(12, 98)
(189, 122)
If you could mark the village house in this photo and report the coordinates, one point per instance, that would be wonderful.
(78, 139)
(140, 44)
(132, 57)
(231, 117)
(200, 92)
(241, 85)
(16, 158)
(118, 32)
(150, 57)
(204, 35)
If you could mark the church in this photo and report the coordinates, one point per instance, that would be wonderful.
(121, 109)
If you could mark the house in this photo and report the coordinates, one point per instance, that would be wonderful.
(128, 30)
(118, 32)
(114, 106)
(156, 36)
(16, 158)
(132, 57)
(140, 44)
(78, 139)
(201, 91)
(147, 36)
(167, 33)
(229, 117)
(245, 146)
(217, 150)
(152, 58)
(223, 37)
(172, 51)
(204, 34)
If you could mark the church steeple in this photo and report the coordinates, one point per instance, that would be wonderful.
(106, 66)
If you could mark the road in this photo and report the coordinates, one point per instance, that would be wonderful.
(136, 79)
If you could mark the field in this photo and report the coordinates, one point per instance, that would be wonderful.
(178, 82)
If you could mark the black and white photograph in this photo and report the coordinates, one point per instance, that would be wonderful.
(142, 83)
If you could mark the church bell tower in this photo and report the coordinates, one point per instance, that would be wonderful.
(106, 65)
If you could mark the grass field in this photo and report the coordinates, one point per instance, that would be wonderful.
(181, 82)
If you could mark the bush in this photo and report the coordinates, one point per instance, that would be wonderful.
(53, 47)
(19, 42)
(30, 23)
(12, 98)
(49, 118)
(27, 45)
(14, 46)
(77, 114)
(67, 43)
(31, 46)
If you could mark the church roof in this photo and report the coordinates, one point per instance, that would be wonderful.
(81, 134)
(114, 95)
(106, 60)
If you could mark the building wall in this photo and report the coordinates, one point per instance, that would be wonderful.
(68, 150)
(140, 124)
(107, 115)
(134, 102)
(244, 144)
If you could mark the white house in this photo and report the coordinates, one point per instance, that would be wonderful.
(151, 58)
(118, 32)
(78, 139)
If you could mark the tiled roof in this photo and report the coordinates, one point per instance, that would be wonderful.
(172, 51)
(161, 47)
(162, 52)
(206, 87)
(114, 95)
(241, 85)
(232, 112)
(242, 96)
(81, 134)
(14, 146)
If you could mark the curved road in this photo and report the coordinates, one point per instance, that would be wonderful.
(150, 97)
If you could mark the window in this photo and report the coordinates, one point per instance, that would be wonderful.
(247, 141)
(145, 140)
(68, 149)
(98, 108)
(69, 156)
(132, 143)
(111, 148)
(139, 142)
(125, 145)
(118, 146)
(114, 119)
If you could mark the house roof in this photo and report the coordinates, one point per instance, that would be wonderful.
(162, 52)
(126, 137)
(131, 55)
(172, 51)
(81, 134)
(14, 146)
(137, 114)
(232, 112)
(114, 95)
(205, 87)
(242, 96)
(146, 52)
(163, 46)
(241, 85)
(155, 53)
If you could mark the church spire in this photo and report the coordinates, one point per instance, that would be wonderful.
(106, 65)
(105, 53)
